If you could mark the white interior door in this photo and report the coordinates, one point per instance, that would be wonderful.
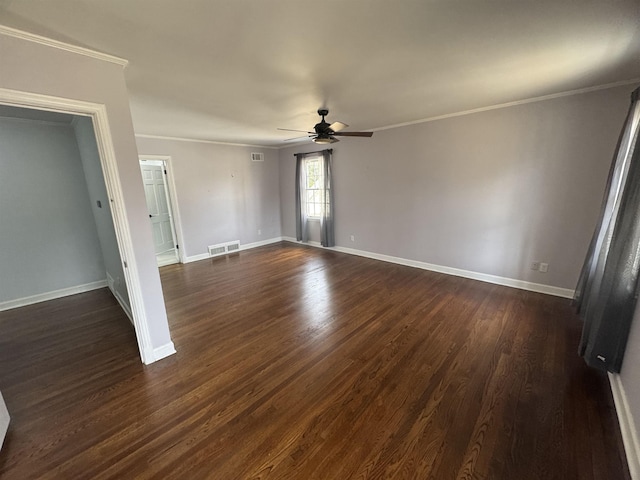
(155, 191)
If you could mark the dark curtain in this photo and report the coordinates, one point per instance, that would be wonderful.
(301, 199)
(327, 236)
(607, 289)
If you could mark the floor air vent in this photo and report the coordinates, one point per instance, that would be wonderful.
(224, 248)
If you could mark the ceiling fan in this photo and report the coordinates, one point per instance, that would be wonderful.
(326, 133)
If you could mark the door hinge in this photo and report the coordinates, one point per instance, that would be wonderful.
(177, 247)
(125, 264)
(165, 172)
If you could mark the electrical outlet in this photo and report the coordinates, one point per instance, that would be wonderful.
(535, 265)
(353, 238)
(544, 267)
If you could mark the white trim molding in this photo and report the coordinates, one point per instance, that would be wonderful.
(49, 42)
(512, 104)
(197, 140)
(196, 258)
(43, 297)
(124, 306)
(98, 114)
(164, 351)
(261, 243)
(118, 297)
(483, 277)
(627, 425)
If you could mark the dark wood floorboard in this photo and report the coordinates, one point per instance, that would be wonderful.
(299, 363)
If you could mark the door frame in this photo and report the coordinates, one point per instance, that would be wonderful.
(98, 114)
(173, 200)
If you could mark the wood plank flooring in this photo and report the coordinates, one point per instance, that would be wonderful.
(299, 363)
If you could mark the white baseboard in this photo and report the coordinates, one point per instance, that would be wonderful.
(483, 277)
(123, 305)
(112, 286)
(627, 425)
(196, 258)
(261, 243)
(43, 297)
(111, 283)
(247, 246)
(170, 261)
(160, 352)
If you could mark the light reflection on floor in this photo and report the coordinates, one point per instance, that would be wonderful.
(317, 297)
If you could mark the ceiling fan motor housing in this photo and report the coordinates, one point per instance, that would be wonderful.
(323, 127)
(324, 132)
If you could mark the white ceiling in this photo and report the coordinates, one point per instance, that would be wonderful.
(235, 70)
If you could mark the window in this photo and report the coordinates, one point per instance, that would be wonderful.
(314, 187)
(314, 195)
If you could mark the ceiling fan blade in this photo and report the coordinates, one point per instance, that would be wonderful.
(354, 134)
(291, 130)
(337, 126)
(296, 138)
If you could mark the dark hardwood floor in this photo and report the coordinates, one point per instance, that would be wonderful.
(298, 363)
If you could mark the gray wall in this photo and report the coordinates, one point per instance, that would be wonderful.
(35, 68)
(488, 192)
(222, 194)
(90, 158)
(49, 239)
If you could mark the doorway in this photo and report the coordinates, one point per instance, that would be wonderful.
(161, 200)
(149, 352)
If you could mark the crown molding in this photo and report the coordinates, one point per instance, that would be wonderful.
(49, 42)
(196, 140)
(568, 93)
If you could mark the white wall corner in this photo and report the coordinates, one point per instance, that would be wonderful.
(627, 425)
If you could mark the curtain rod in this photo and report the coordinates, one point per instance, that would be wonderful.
(330, 150)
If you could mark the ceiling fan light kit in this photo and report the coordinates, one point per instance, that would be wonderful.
(325, 140)
(324, 132)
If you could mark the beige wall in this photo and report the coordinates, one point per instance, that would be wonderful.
(488, 192)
